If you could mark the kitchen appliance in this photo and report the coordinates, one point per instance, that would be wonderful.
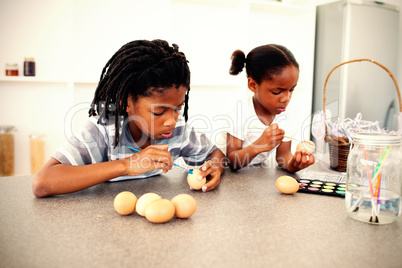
(347, 30)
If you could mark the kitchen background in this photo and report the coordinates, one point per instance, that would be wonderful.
(71, 40)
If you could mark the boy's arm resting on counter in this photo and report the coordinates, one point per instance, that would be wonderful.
(56, 178)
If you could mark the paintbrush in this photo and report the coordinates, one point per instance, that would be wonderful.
(356, 205)
(358, 202)
(374, 205)
(174, 164)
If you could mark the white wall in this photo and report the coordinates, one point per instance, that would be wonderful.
(72, 40)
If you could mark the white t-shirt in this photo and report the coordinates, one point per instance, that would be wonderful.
(247, 127)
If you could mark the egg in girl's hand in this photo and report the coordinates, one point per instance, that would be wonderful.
(185, 205)
(144, 201)
(287, 185)
(193, 181)
(308, 146)
(124, 203)
(159, 211)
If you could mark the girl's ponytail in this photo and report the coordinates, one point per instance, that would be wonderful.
(238, 61)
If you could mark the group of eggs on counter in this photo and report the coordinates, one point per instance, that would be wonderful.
(155, 208)
(159, 210)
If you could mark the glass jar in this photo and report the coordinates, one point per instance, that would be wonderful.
(11, 69)
(6, 150)
(373, 184)
(37, 151)
(29, 66)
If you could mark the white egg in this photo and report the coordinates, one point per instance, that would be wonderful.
(193, 181)
(144, 201)
(307, 146)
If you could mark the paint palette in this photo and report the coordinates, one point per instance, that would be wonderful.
(325, 183)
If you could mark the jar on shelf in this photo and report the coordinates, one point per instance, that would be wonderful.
(6, 150)
(373, 184)
(29, 66)
(37, 151)
(11, 69)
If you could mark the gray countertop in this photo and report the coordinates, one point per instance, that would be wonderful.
(245, 222)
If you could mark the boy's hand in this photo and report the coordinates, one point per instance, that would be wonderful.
(300, 160)
(269, 139)
(151, 158)
(213, 170)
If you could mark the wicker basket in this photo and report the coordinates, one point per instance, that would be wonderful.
(339, 146)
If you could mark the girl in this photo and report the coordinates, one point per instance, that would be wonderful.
(137, 104)
(272, 74)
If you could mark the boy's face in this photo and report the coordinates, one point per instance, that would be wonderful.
(273, 96)
(155, 116)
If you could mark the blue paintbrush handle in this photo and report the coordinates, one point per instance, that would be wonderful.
(137, 150)
(176, 165)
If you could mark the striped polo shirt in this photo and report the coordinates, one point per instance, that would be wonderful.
(94, 144)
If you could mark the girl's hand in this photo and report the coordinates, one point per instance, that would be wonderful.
(214, 171)
(270, 138)
(151, 158)
(300, 160)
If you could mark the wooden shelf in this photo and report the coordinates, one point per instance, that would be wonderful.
(86, 82)
(31, 79)
(22, 79)
(34, 79)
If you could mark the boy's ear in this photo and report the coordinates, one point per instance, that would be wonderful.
(130, 103)
(252, 85)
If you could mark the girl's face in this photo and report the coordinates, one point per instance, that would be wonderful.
(271, 97)
(155, 116)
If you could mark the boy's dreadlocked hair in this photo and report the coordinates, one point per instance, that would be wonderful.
(139, 68)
